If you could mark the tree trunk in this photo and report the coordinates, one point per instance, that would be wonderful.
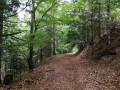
(99, 21)
(54, 39)
(30, 59)
(108, 18)
(91, 26)
(1, 32)
(41, 56)
(88, 36)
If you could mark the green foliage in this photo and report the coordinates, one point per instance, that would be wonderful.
(41, 37)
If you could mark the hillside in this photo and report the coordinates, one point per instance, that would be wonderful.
(95, 68)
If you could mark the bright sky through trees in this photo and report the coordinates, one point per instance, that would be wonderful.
(67, 0)
(21, 13)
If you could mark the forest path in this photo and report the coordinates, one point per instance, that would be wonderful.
(68, 72)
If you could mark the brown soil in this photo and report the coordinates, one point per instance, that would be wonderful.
(71, 72)
(101, 46)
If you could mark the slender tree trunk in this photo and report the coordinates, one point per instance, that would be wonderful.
(1, 32)
(88, 36)
(108, 18)
(92, 31)
(99, 21)
(54, 39)
(41, 56)
(30, 59)
(50, 48)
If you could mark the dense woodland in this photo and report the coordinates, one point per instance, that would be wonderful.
(50, 27)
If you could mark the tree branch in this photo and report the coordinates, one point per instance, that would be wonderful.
(38, 4)
(46, 12)
(6, 35)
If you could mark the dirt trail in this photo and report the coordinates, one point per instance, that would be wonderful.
(70, 72)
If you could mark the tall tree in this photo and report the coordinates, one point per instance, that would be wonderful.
(35, 23)
(108, 20)
(99, 19)
(1, 32)
(54, 39)
(32, 26)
